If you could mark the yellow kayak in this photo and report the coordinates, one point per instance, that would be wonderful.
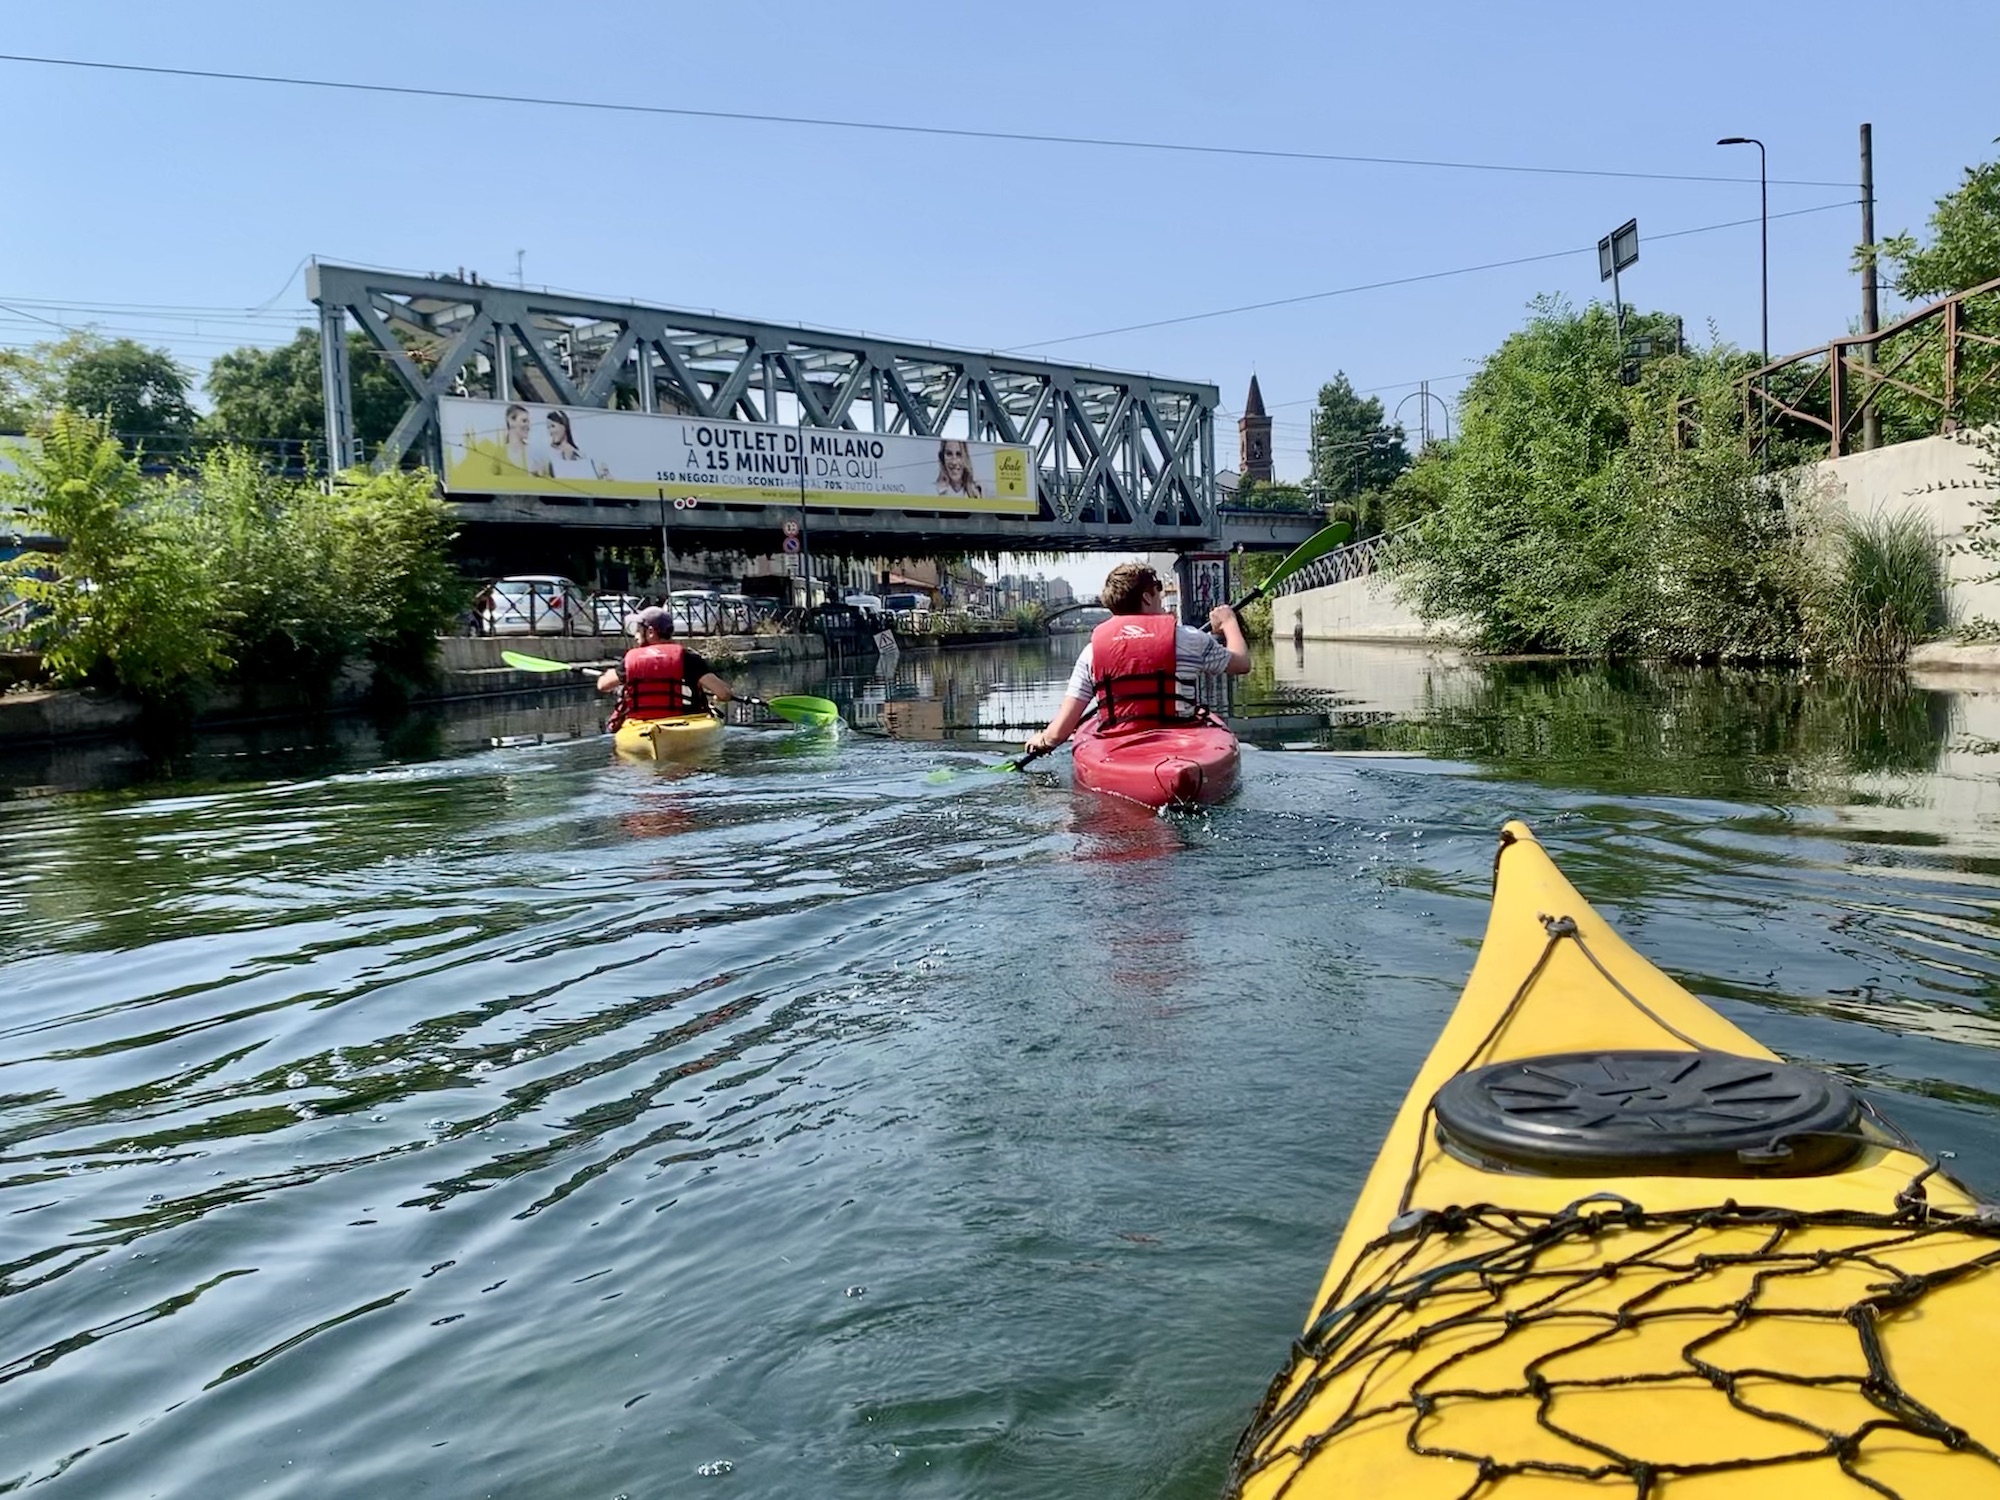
(666, 739)
(1612, 1246)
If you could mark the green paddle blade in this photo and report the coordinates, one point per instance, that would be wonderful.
(814, 713)
(520, 661)
(1312, 549)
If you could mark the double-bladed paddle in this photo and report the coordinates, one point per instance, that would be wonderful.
(1311, 550)
(797, 708)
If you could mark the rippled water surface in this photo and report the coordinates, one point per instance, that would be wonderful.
(455, 1110)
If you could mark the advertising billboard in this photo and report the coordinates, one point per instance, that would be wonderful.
(519, 448)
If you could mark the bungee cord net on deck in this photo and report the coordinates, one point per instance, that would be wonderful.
(1721, 1350)
(1504, 1344)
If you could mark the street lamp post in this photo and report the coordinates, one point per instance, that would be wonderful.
(1763, 271)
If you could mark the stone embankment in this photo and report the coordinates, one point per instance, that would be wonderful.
(468, 667)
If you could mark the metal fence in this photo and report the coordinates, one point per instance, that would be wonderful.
(1342, 565)
(1935, 370)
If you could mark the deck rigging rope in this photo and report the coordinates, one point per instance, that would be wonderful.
(1511, 1291)
(1441, 1290)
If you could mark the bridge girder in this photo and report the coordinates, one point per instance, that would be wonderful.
(1120, 459)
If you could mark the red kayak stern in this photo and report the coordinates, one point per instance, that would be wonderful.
(1173, 765)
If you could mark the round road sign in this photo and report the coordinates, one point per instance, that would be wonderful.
(791, 528)
(791, 544)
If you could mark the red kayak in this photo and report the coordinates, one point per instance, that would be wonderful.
(1176, 765)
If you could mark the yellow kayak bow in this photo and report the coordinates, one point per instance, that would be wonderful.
(1612, 1246)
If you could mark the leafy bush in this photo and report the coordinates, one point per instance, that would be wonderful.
(280, 598)
(1888, 591)
(392, 556)
(230, 571)
(129, 602)
(1577, 515)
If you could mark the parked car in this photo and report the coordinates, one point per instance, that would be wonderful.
(911, 611)
(609, 612)
(740, 613)
(535, 604)
(696, 611)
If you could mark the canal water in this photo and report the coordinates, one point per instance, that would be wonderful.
(445, 1108)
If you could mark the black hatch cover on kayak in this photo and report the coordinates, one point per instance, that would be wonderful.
(1700, 1113)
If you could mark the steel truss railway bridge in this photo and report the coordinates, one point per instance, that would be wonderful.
(1120, 461)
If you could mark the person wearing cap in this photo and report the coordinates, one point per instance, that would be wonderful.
(659, 678)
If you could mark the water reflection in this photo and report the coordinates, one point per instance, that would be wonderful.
(1626, 726)
(510, 1119)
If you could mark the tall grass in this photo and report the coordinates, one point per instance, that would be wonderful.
(1888, 593)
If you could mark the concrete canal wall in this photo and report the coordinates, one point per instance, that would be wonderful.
(468, 667)
(1362, 609)
(1937, 477)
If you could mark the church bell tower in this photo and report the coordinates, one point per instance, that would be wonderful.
(1253, 432)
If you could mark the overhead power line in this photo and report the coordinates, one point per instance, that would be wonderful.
(815, 122)
(1376, 286)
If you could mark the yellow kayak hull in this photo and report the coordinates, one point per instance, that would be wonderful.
(667, 739)
(1489, 1328)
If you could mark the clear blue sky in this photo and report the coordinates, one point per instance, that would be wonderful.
(129, 194)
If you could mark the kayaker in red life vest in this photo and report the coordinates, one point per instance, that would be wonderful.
(659, 679)
(1140, 664)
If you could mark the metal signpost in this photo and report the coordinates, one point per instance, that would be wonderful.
(1615, 252)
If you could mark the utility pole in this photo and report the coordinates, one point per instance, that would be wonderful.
(805, 545)
(666, 553)
(1871, 414)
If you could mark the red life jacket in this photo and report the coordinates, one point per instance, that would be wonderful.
(655, 685)
(1132, 660)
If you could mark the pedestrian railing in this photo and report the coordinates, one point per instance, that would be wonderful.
(1935, 370)
(1342, 565)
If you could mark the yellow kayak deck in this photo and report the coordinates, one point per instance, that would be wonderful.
(1816, 1313)
(666, 739)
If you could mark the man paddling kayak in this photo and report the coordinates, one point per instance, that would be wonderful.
(1140, 664)
(658, 678)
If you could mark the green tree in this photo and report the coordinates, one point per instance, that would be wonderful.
(1963, 252)
(1353, 449)
(274, 395)
(1576, 514)
(129, 602)
(1259, 494)
(19, 407)
(141, 392)
(1964, 248)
